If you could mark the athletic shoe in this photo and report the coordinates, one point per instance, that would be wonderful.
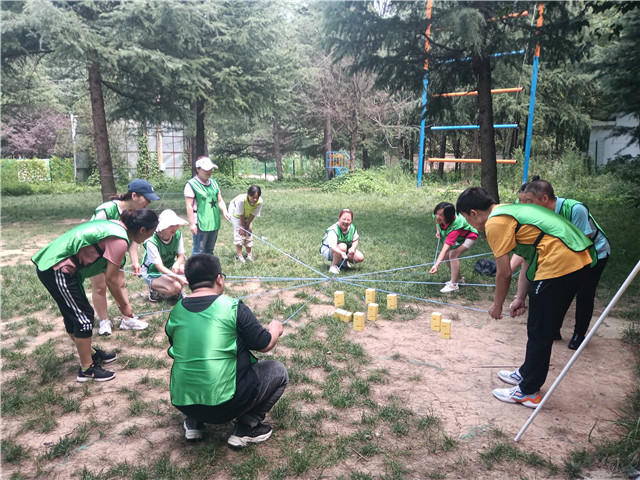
(154, 295)
(349, 265)
(240, 259)
(515, 395)
(334, 269)
(105, 327)
(102, 357)
(133, 324)
(575, 341)
(250, 257)
(95, 372)
(243, 435)
(192, 429)
(510, 377)
(449, 287)
(461, 281)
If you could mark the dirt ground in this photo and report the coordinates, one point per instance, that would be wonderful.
(456, 377)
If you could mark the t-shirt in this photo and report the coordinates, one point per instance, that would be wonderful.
(580, 218)
(236, 207)
(114, 248)
(452, 237)
(189, 193)
(332, 238)
(153, 253)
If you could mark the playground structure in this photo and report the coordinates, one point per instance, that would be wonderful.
(337, 162)
(534, 77)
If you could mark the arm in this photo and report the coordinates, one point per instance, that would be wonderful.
(191, 216)
(516, 261)
(275, 329)
(118, 291)
(135, 261)
(503, 280)
(223, 206)
(518, 306)
(354, 247)
(441, 257)
(437, 231)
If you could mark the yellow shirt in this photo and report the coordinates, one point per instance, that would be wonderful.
(555, 259)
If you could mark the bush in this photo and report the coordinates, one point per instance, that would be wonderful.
(381, 181)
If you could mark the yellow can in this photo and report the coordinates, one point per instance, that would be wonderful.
(392, 301)
(338, 299)
(445, 329)
(372, 312)
(358, 321)
(370, 295)
(436, 318)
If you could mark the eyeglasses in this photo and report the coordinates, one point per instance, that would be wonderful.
(223, 275)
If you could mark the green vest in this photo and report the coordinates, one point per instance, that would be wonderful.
(204, 352)
(168, 252)
(110, 209)
(342, 237)
(566, 209)
(69, 244)
(248, 208)
(459, 223)
(207, 201)
(550, 224)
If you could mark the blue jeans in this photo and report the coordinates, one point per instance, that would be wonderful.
(204, 242)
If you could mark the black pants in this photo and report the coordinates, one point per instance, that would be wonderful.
(549, 301)
(586, 296)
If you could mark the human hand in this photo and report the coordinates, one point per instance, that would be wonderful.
(517, 307)
(495, 311)
(434, 269)
(194, 228)
(137, 270)
(127, 310)
(275, 328)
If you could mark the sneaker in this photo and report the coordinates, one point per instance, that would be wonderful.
(250, 257)
(349, 265)
(192, 429)
(133, 324)
(461, 280)
(102, 357)
(95, 372)
(243, 435)
(105, 327)
(154, 295)
(240, 259)
(575, 341)
(334, 269)
(514, 395)
(449, 287)
(510, 377)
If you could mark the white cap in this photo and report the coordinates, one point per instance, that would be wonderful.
(168, 218)
(205, 163)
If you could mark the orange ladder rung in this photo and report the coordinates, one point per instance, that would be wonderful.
(466, 160)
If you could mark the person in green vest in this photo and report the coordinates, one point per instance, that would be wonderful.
(215, 378)
(140, 193)
(557, 257)
(163, 262)
(340, 243)
(90, 249)
(243, 209)
(204, 203)
(540, 192)
(458, 236)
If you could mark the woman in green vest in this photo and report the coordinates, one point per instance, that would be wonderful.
(340, 243)
(163, 262)
(458, 237)
(87, 250)
(243, 209)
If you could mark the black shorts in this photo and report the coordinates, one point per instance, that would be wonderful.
(74, 306)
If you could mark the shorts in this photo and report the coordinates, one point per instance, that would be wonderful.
(326, 253)
(147, 277)
(66, 290)
(238, 239)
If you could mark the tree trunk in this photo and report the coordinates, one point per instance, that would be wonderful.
(275, 131)
(353, 144)
(100, 133)
(326, 143)
(443, 152)
(365, 158)
(514, 136)
(489, 169)
(201, 142)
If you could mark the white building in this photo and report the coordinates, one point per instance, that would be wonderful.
(603, 146)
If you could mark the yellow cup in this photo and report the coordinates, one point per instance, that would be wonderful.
(347, 317)
(370, 295)
(358, 321)
(338, 299)
(445, 329)
(436, 318)
(372, 312)
(392, 301)
(339, 313)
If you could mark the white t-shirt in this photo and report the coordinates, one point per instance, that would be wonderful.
(189, 193)
(236, 207)
(153, 253)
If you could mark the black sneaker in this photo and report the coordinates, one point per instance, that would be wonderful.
(101, 357)
(575, 341)
(192, 429)
(154, 295)
(243, 435)
(95, 372)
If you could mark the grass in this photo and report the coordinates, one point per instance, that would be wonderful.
(332, 416)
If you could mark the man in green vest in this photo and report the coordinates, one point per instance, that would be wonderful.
(215, 378)
(557, 258)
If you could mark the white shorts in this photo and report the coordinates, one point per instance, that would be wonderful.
(239, 239)
(326, 253)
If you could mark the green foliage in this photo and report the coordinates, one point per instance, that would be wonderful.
(380, 181)
(147, 166)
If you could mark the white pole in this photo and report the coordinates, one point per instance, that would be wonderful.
(612, 303)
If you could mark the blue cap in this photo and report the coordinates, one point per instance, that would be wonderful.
(144, 188)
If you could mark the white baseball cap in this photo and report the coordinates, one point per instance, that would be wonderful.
(168, 218)
(205, 163)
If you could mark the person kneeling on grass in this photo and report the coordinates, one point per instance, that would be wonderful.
(458, 235)
(163, 263)
(243, 209)
(90, 249)
(215, 378)
(340, 243)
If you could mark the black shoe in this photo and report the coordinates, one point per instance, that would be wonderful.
(102, 357)
(192, 429)
(154, 295)
(557, 336)
(95, 372)
(576, 341)
(243, 435)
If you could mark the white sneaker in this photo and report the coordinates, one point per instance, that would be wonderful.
(515, 395)
(334, 269)
(133, 324)
(513, 378)
(240, 259)
(250, 257)
(105, 327)
(449, 287)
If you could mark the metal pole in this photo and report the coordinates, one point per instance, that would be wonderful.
(425, 83)
(612, 303)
